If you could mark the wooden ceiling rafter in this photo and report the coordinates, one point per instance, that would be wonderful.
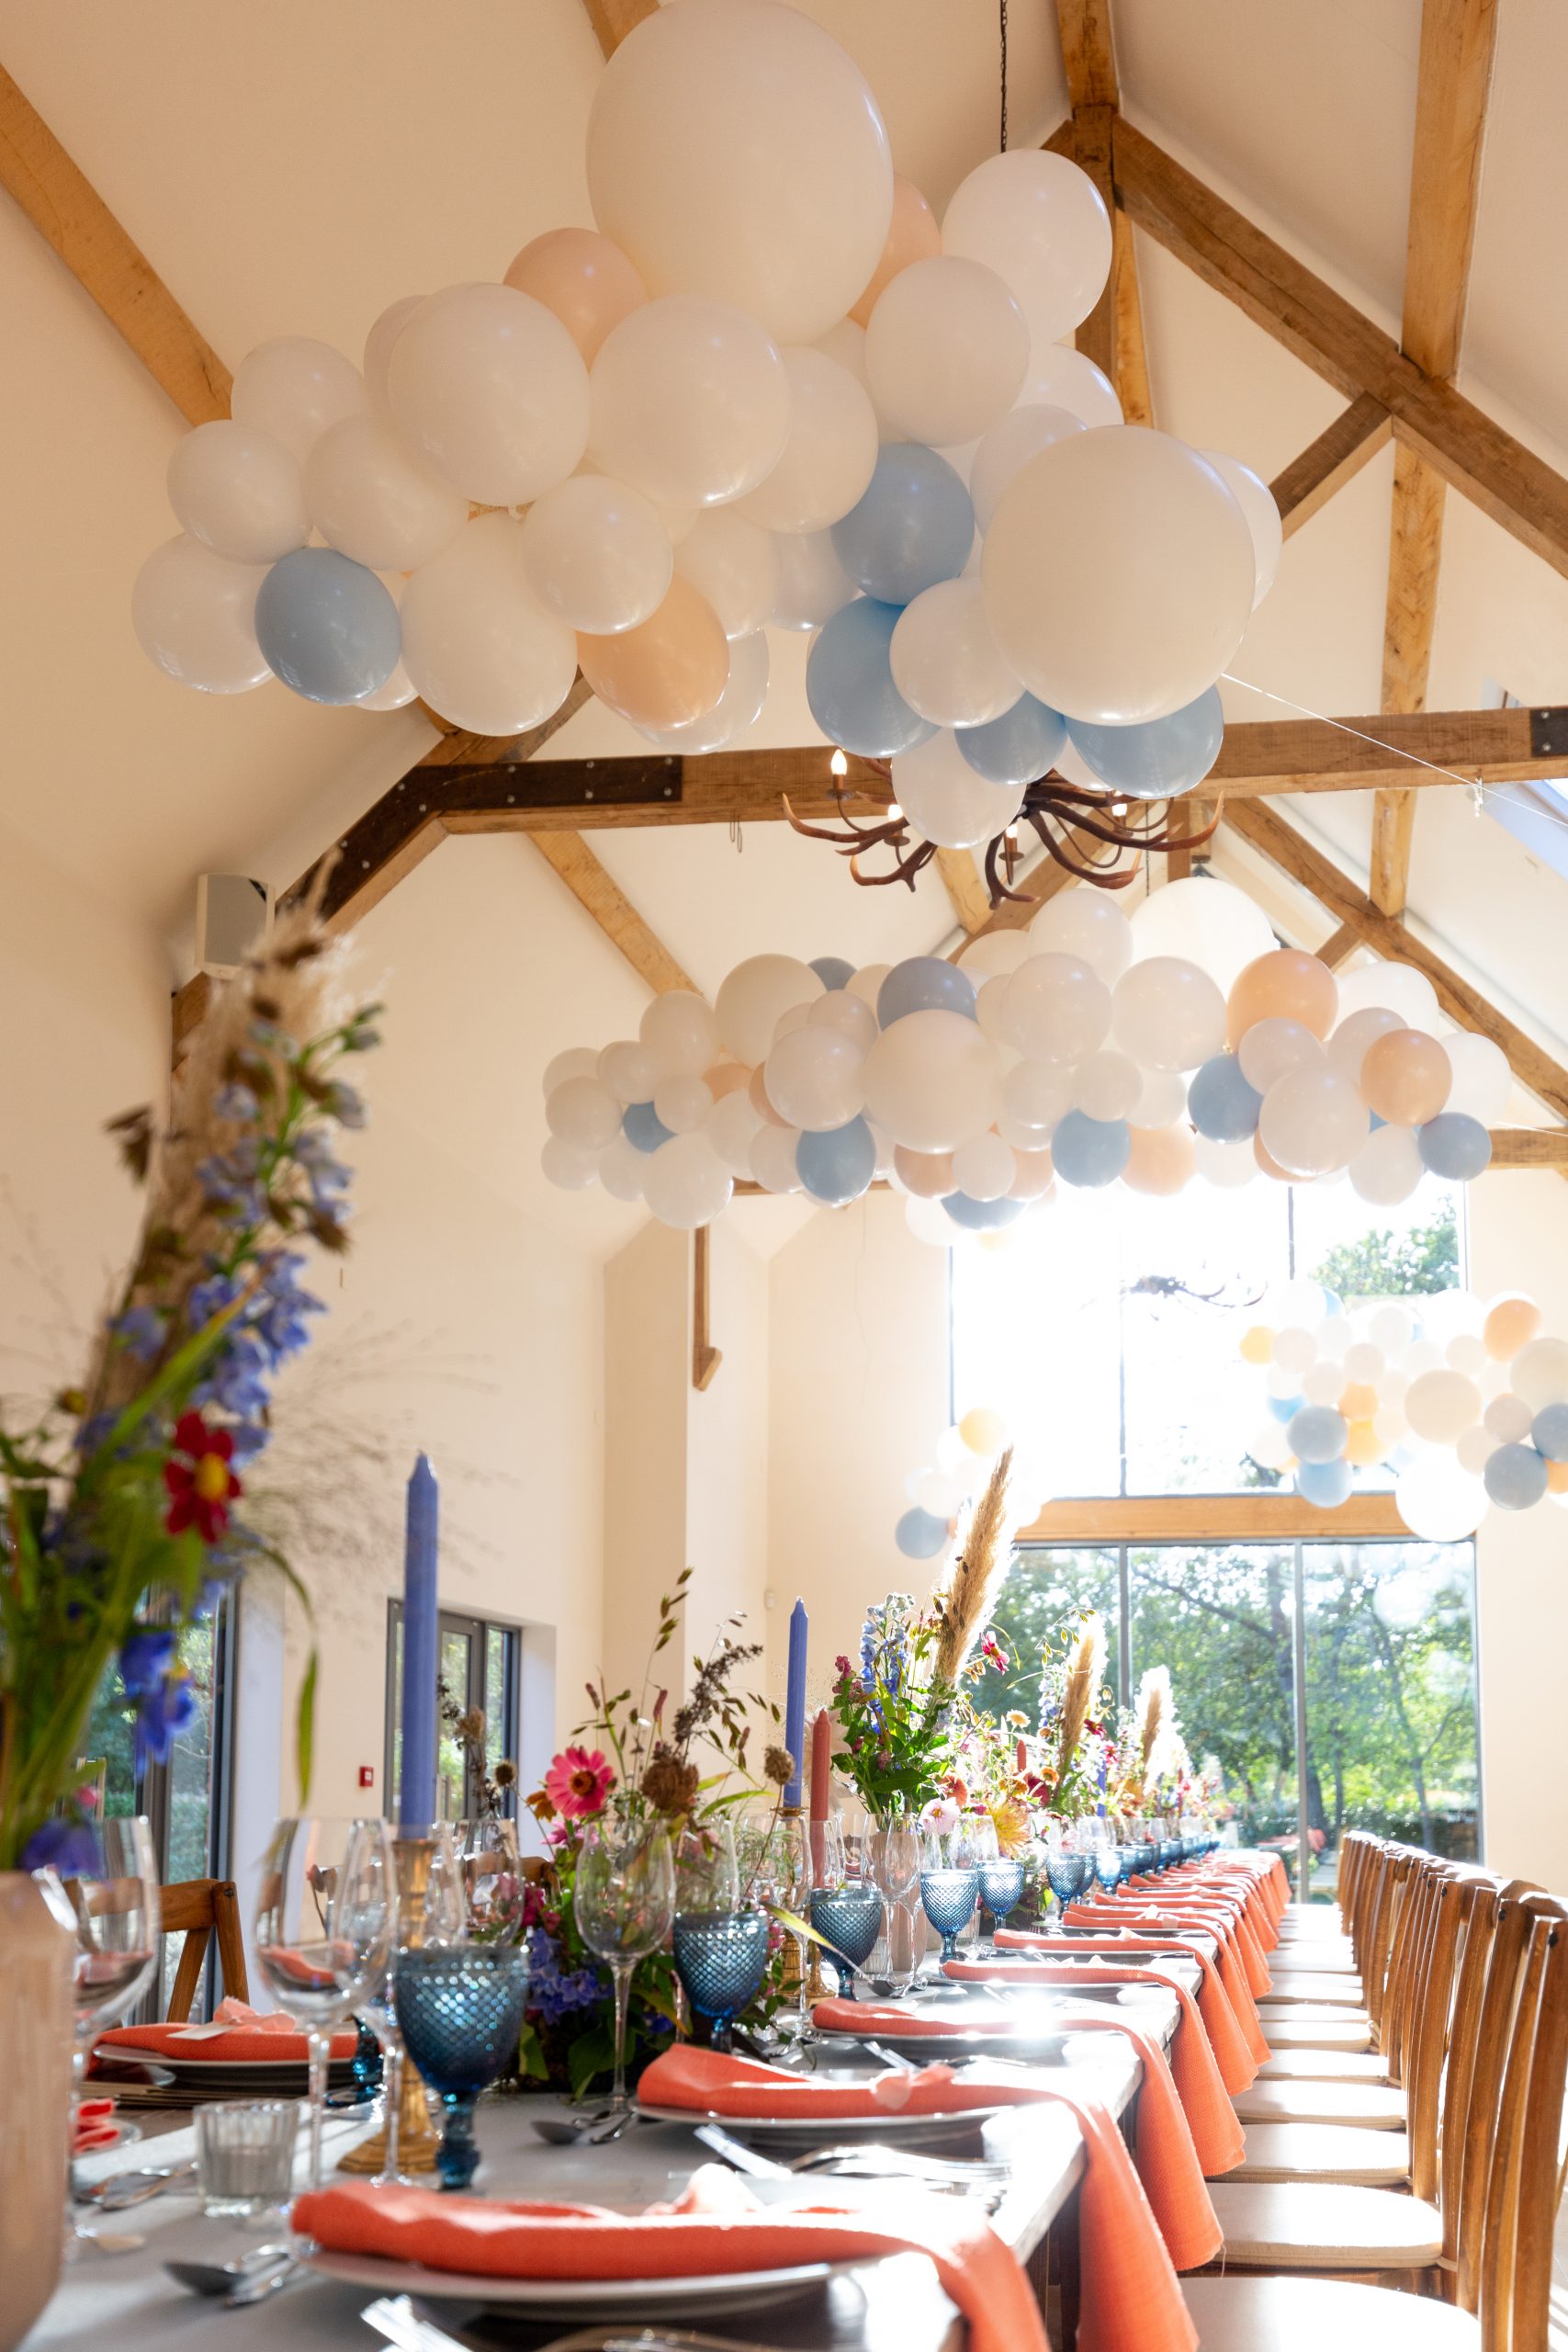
(613, 20)
(1112, 334)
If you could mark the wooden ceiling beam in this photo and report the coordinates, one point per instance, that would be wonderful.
(1337, 456)
(1112, 334)
(613, 20)
(606, 902)
(965, 889)
(69, 212)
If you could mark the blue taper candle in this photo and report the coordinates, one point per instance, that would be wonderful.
(794, 1699)
(421, 1636)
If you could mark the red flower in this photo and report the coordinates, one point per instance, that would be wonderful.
(577, 1783)
(201, 1485)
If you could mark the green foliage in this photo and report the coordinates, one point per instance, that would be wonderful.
(1383, 1264)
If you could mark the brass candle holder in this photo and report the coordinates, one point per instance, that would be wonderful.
(417, 2137)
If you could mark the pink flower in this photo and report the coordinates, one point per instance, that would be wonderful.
(577, 1783)
(941, 1817)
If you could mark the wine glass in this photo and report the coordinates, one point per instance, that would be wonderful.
(624, 1903)
(459, 2008)
(492, 1880)
(846, 1902)
(1001, 1885)
(1068, 1871)
(316, 1970)
(894, 1849)
(113, 1914)
(950, 1882)
(720, 1948)
(774, 1848)
(372, 1900)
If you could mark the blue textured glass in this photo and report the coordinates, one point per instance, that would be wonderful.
(366, 2060)
(721, 1958)
(949, 1897)
(460, 2008)
(1108, 1866)
(1069, 1874)
(1001, 1883)
(851, 1918)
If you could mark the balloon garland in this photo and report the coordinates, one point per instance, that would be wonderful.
(941, 1489)
(1091, 1048)
(766, 389)
(1466, 1400)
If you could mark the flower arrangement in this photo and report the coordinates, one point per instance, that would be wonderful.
(626, 1760)
(122, 1507)
(1074, 1756)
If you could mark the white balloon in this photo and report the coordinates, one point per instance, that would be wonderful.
(1211, 922)
(597, 555)
(369, 500)
(1388, 1167)
(868, 982)
(679, 1034)
(1349, 1045)
(1107, 1085)
(831, 455)
(839, 1009)
(1399, 987)
(1467, 1353)
(930, 1222)
(1363, 1362)
(995, 955)
(1482, 1083)
(1155, 599)
(1441, 1406)
(1039, 220)
(682, 1104)
(1022, 434)
(754, 996)
(814, 1078)
(943, 797)
(584, 1112)
(1474, 1449)
(378, 357)
(1323, 1384)
(686, 1184)
(1056, 1009)
(1168, 1014)
(1392, 1328)
(571, 1166)
(1270, 1448)
(237, 490)
(735, 150)
(813, 583)
(946, 350)
(989, 999)
(946, 664)
(476, 642)
(733, 1126)
(735, 566)
(577, 1061)
(489, 390)
(740, 704)
(1162, 1099)
(985, 1167)
(294, 388)
(1295, 1348)
(1256, 500)
(622, 1169)
(1087, 925)
(398, 690)
(1313, 1121)
(1539, 1374)
(1226, 1165)
(628, 1069)
(1032, 1175)
(691, 401)
(1508, 1419)
(1035, 1095)
(1274, 1047)
(1058, 377)
(932, 1082)
(193, 614)
(1436, 1500)
(772, 1158)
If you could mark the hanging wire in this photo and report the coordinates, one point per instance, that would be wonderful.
(1002, 6)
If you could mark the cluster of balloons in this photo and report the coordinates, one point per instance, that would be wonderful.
(1090, 1047)
(940, 1489)
(767, 387)
(1466, 1400)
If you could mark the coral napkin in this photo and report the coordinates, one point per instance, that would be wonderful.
(1227, 2033)
(1131, 2300)
(1211, 2119)
(717, 2225)
(237, 2032)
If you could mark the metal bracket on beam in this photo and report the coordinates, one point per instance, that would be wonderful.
(1548, 733)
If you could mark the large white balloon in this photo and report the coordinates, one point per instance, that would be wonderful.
(1482, 1083)
(1388, 1167)
(932, 1082)
(813, 583)
(752, 998)
(379, 352)
(1313, 1121)
(1060, 377)
(294, 388)
(490, 391)
(945, 800)
(1118, 574)
(946, 350)
(1087, 925)
(1007, 447)
(1398, 987)
(193, 614)
(1168, 1014)
(735, 150)
(831, 455)
(691, 401)
(370, 501)
(1256, 500)
(679, 1034)
(1211, 922)
(814, 1078)
(686, 1184)
(1056, 1009)
(946, 664)
(237, 490)
(1040, 222)
(734, 565)
(597, 555)
(1437, 1500)
(477, 641)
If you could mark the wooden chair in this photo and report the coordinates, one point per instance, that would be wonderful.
(200, 1908)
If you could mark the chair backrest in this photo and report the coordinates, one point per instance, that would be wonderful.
(1453, 1895)
(1404, 1987)
(1523, 2190)
(1490, 1973)
(200, 1908)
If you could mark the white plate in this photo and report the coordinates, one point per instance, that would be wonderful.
(1026, 2045)
(248, 2068)
(730, 2290)
(891, 2125)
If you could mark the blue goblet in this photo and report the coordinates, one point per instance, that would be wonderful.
(460, 2010)
(949, 1897)
(721, 1958)
(1001, 1883)
(849, 1918)
(1108, 1866)
(1068, 1875)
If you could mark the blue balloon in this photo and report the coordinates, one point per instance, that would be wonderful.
(1549, 1432)
(1326, 1483)
(643, 1127)
(920, 1535)
(1454, 1145)
(982, 1217)
(327, 627)
(1515, 1477)
(832, 971)
(1285, 1408)
(924, 984)
(1090, 1151)
(1220, 1102)
(836, 1164)
(914, 527)
(1020, 746)
(1317, 1433)
(1159, 757)
(849, 684)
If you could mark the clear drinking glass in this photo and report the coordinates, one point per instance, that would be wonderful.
(114, 1916)
(773, 1851)
(624, 1903)
(894, 1851)
(244, 2155)
(371, 1904)
(318, 1967)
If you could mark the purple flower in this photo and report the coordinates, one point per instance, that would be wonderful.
(68, 1848)
(162, 1717)
(145, 1658)
(345, 1103)
(236, 1102)
(210, 1298)
(140, 1331)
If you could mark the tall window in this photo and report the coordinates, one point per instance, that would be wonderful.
(480, 1667)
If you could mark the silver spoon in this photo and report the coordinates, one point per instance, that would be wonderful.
(222, 2277)
(123, 2188)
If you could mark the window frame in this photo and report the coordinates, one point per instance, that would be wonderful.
(475, 1632)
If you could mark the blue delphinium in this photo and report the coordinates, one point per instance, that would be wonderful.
(556, 1992)
(64, 1845)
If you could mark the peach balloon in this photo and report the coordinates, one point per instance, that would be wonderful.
(1359, 1402)
(757, 1095)
(1286, 984)
(1159, 1160)
(1268, 1164)
(926, 1174)
(587, 282)
(727, 1078)
(668, 670)
(1557, 1477)
(1512, 1322)
(1363, 1446)
(1406, 1077)
(912, 235)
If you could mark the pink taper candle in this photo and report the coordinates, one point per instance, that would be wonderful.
(821, 1787)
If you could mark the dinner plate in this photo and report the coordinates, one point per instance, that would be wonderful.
(1030, 2048)
(888, 2124)
(273, 2071)
(612, 2299)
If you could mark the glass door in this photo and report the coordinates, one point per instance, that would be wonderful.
(478, 1668)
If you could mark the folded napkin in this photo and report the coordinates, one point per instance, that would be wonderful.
(1132, 2302)
(95, 2126)
(1228, 1962)
(237, 2032)
(1177, 1909)
(1226, 2032)
(872, 2020)
(1199, 2084)
(717, 2225)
